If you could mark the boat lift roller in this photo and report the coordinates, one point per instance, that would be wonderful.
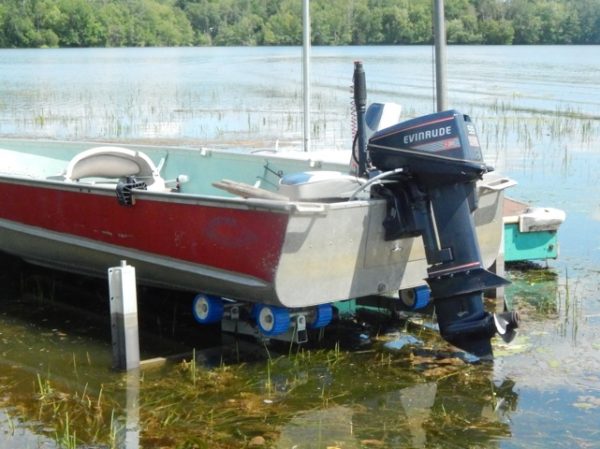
(434, 163)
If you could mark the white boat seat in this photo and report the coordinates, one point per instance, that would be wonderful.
(319, 185)
(114, 162)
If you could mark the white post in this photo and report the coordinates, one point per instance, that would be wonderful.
(306, 70)
(123, 317)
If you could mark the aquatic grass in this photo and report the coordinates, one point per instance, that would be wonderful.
(74, 415)
(75, 366)
(268, 381)
(230, 404)
(193, 367)
(570, 310)
(67, 438)
(45, 389)
(535, 291)
(10, 422)
(99, 400)
(113, 431)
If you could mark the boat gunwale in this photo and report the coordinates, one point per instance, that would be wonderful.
(108, 188)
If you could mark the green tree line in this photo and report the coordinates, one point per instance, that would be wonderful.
(118, 23)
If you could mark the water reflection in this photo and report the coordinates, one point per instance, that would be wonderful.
(15, 435)
(421, 415)
(129, 438)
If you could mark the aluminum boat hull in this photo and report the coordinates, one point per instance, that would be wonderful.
(287, 253)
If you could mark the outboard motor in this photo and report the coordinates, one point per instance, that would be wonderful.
(435, 162)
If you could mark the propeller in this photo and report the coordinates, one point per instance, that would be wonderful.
(506, 325)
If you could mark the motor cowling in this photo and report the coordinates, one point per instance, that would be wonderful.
(434, 197)
(436, 149)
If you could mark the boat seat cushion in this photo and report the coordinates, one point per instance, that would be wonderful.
(114, 162)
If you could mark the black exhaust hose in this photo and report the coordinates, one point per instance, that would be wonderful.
(360, 102)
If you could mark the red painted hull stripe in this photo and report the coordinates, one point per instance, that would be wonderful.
(237, 240)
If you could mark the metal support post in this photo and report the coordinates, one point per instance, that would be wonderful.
(306, 71)
(123, 317)
(439, 28)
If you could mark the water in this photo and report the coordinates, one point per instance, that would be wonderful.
(537, 110)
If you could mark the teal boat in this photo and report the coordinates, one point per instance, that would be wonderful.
(530, 233)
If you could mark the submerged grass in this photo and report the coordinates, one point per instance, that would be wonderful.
(75, 416)
(312, 398)
(233, 404)
(535, 291)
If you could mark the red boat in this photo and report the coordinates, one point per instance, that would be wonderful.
(291, 234)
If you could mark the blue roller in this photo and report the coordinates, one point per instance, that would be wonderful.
(272, 320)
(207, 309)
(416, 298)
(323, 315)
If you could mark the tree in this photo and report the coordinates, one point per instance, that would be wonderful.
(331, 22)
(497, 32)
(78, 25)
(117, 22)
(395, 26)
(283, 28)
(84, 23)
(588, 12)
(247, 31)
(419, 16)
(526, 24)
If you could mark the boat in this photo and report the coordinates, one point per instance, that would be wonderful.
(530, 233)
(183, 232)
(273, 237)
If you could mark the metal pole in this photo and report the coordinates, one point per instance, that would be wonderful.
(439, 31)
(306, 70)
(123, 317)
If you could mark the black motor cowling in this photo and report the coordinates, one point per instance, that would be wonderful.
(434, 196)
(438, 148)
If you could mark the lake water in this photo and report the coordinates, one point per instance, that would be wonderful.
(537, 110)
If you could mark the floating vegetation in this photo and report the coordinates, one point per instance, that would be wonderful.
(534, 291)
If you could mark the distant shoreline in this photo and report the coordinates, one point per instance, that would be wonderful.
(181, 23)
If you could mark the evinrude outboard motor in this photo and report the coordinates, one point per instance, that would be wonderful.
(434, 196)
